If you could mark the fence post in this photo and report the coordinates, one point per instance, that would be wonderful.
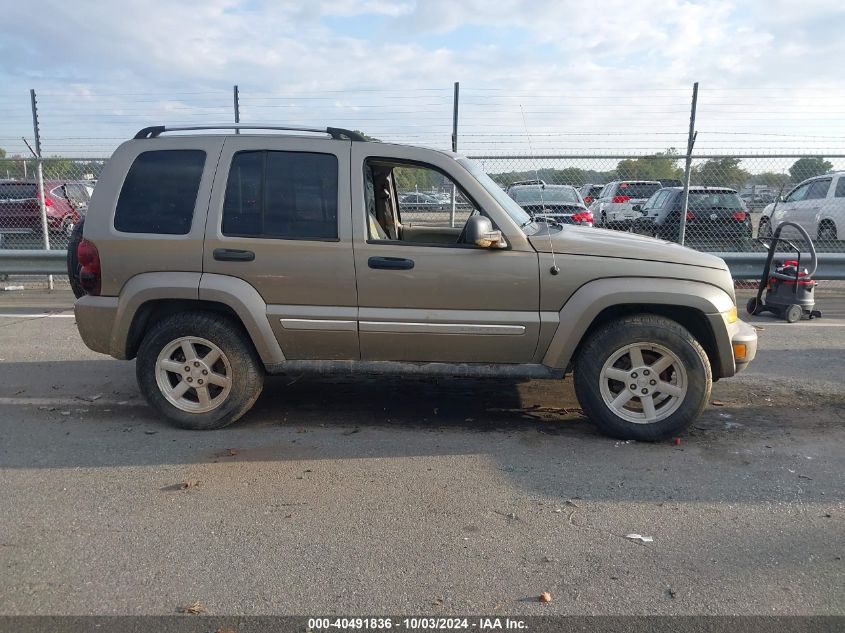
(237, 105)
(454, 149)
(688, 165)
(40, 176)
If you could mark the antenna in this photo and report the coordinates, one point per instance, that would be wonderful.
(554, 270)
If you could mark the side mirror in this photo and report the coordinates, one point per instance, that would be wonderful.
(781, 199)
(637, 207)
(479, 231)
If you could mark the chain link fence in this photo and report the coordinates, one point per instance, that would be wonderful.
(57, 200)
(732, 199)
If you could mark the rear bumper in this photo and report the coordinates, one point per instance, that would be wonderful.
(95, 318)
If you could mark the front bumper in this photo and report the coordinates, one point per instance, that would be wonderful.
(744, 345)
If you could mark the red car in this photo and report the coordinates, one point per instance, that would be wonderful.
(20, 209)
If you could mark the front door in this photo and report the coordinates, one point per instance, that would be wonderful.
(423, 295)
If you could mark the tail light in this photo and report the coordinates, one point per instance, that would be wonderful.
(621, 199)
(48, 201)
(89, 271)
(739, 216)
(585, 217)
(690, 216)
(588, 199)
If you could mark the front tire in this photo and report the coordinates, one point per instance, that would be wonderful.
(765, 228)
(643, 377)
(199, 370)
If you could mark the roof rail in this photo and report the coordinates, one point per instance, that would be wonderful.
(335, 132)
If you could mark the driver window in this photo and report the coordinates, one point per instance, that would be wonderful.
(414, 204)
(798, 194)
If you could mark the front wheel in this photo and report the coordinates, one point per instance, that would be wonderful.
(765, 229)
(643, 377)
(199, 370)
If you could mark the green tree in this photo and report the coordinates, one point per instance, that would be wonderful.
(665, 165)
(720, 172)
(808, 167)
(770, 179)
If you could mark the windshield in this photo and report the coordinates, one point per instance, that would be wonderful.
(516, 212)
(547, 195)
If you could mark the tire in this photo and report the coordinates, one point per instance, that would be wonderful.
(752, 307)
(793, 313)
(204, 331)
(72, 261)
(827, 232)
(656, 337)
(765, 228)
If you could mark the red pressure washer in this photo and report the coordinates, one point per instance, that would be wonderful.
(789, 288)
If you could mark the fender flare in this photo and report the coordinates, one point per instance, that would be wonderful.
(585, 304)
(236, 294)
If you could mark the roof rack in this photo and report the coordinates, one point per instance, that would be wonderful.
(336, 133)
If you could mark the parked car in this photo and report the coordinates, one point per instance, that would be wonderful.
(521, 183)
(212, 287)
(670, 182)
(614, 208)
(757, 201)
(716, 216)
(589, 193)
(817, 204)
(559, 203)
(20, 208)
(420, 202)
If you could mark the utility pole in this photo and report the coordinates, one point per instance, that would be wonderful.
(688, 166)
(454, 149)
(40, 176)
(237, 104)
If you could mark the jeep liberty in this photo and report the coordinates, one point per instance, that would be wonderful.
(218, 258)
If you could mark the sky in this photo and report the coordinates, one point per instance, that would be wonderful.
(541, 77)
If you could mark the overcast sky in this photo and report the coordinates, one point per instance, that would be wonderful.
(598, 76)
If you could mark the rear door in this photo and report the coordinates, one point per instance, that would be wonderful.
(812, 205)
(279, 219)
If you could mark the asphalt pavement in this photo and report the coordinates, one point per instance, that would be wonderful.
(390, 495)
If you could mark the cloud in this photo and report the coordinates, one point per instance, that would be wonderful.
(615, 65)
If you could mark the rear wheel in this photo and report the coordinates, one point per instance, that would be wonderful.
(72, 261)
(643, 377)
(793, 313)
(827, 232)
(199, 370)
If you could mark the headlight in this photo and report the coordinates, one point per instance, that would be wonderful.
(730, 315)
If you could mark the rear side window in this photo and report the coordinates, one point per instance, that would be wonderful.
(160, 192)
(840, 188)
(288, 195)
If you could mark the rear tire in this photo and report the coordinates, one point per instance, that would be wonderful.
(72, 261)
(793, 313)
(636, 355)
(827, 232)
(199, 370)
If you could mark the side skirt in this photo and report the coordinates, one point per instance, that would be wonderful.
(468, 370)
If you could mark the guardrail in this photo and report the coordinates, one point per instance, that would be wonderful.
(742, 265)
(33, 262)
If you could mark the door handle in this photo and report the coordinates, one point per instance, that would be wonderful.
(233, 255)
(390, 263)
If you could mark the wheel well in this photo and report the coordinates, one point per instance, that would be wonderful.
(692, 319)
(827, 222)
(153, 311)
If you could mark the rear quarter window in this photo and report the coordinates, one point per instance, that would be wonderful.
(160, 192)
